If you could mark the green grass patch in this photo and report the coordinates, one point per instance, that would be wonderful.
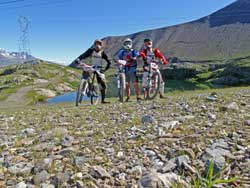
(36, 98)
(4, 94)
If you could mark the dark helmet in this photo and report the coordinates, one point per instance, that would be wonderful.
(147, 40)
(98, 45)
(148, 43)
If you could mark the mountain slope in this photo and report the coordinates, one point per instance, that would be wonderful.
(9, 58)
(222, 35)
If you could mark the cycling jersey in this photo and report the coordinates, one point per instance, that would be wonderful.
(97, 58)
(155, 54)
(128, 56)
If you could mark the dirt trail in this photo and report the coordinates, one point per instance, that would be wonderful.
(17, 99)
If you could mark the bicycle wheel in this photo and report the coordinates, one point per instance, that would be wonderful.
(153, 87)
(121, 87)
(94, 90)
(79, 92)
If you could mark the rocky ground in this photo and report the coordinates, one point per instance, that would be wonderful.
(152, 144)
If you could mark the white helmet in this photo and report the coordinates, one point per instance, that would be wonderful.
(127, 44)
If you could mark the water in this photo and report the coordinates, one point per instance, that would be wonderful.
(68, 97)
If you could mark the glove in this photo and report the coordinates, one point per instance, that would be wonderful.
(128, 57)
(77, 61)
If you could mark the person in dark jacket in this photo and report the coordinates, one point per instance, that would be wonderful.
(98, 56)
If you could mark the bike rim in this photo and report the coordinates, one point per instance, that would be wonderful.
(153, 88)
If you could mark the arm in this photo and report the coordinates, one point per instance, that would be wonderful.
(159, 55)
(143, 55)
(105, 57)
(86, 54)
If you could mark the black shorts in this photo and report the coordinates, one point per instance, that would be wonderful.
(131, 77)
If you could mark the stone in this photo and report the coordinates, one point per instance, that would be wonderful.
(79, 184)
(148, 119)
(11, 182)
(136, 171)
(79, 161)
(46, 92)
(185, 118)
(218, 162)
(44, 164)
(230, 107)
(41, 177)
(99, 173)
(28, 131)
(40, 81)
(169, 166)
(67, 141)
(63, 178)
(157, 180)
(247, 122)
(211, 116)
(212, 98)
(170, 125)
(44, 185)
(181, 160)
(21, 169)
(67, 151)
(21, 185)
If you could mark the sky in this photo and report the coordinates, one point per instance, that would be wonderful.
(60, 30)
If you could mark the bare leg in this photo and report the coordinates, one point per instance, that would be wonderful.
(128, 89)
(136, 86)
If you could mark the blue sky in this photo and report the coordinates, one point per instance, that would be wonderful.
(62, 29)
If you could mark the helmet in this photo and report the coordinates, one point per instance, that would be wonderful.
(127, 44)
(148, 43)
(98, 45)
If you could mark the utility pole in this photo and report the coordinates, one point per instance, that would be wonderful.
(24, 44)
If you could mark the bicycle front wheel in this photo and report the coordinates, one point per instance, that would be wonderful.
(121, 87)
(79, 93)
(153, 86)
(94, 93)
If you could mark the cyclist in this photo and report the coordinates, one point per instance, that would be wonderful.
(149, 54)
(130, 55)
(97, 55)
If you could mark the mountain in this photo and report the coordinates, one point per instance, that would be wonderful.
(9, 58)
(222, 35)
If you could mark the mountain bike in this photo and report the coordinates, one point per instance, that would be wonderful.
(121, 80)
(152, 77)
(89, 86)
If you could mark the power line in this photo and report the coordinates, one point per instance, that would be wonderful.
(37, 4)
(8, 2)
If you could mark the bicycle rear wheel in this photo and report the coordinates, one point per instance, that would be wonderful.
(153, 87)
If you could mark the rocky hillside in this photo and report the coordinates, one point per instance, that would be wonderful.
(192, 139)
(34, 82)
(222, 35)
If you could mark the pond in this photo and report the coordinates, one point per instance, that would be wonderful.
(68, 97)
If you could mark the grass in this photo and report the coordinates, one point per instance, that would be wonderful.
(4, 94)
(183, 85)
(36, 98)
(211, 179)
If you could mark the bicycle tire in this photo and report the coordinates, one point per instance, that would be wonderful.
(122, 87)
(79, 92)
(153, 89)
(94, 91)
